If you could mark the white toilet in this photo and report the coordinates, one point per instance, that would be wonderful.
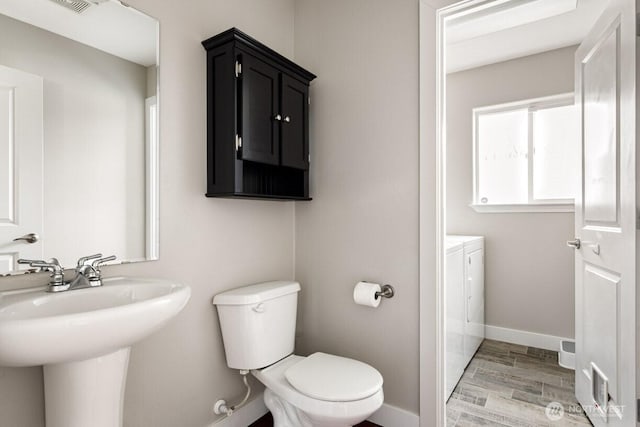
(258, 325)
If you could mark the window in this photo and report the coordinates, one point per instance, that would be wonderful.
(506, 177)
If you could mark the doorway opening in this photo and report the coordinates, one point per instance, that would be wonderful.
(516, 182)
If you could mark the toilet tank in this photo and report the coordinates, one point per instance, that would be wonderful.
(258, 323)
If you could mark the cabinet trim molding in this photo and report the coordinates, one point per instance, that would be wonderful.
(237, 35)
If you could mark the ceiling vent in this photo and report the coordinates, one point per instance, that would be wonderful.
(77, 6)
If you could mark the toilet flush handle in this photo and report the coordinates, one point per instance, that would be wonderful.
(258, 308)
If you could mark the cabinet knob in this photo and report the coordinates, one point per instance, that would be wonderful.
(278, 117)
(287, 119)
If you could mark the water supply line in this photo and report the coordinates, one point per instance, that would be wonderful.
(221, 405)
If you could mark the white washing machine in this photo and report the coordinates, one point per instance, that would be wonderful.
(464, 299)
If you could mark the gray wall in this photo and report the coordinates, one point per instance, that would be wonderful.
(93, 109)
(529, 271)
(363, 220)
(212, 245)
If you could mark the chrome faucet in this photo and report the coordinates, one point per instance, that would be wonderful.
(87, 272)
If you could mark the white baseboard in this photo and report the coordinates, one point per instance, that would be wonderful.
(530, 339)
(390, 416)
(386, 416)
(245, 415)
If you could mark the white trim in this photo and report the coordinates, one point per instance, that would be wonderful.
(431, 230)
(387, 416)
(244, 416)
(152, 178)
(541, 103)
(530, 339)
(391, 416)
(541, 207)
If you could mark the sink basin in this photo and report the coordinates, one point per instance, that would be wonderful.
(83, 338)
(38, 328)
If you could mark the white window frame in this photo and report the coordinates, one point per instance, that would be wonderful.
(533, 205)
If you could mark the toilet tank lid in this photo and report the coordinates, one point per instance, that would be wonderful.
(257, 293)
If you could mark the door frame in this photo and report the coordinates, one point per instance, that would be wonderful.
(432, 15)
(432, 202)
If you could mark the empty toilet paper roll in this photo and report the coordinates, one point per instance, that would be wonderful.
(364, 293)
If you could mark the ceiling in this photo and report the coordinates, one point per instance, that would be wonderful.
(109, 26)
(517, 28)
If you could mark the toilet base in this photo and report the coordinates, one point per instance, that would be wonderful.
(286, 415)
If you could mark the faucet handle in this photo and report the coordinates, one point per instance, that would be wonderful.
(53, 265)
(31, 261)
(85, 259)
(98, 262)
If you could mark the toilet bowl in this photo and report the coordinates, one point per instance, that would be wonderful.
(320, 390)
(331, 391)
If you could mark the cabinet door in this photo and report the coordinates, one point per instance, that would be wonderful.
(295, 123)
(259, 128)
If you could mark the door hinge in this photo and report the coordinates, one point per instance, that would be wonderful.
(238, 142)
(638, 410)
(637, 24)
(238, 68)
(309, 158)
(309, 100)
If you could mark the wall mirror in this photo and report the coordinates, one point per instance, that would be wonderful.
(78, 131)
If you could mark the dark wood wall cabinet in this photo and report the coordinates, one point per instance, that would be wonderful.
(257, 121)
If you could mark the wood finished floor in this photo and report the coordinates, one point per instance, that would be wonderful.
(511, 385)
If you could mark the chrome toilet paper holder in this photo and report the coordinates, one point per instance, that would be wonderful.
(386, 292)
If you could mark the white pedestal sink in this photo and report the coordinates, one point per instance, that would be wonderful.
(83, 338)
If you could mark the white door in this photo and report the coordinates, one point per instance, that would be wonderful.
(606, 219)
(21, 131)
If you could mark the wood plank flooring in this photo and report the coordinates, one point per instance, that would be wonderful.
(511, 385)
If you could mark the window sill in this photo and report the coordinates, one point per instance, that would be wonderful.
(523, 208)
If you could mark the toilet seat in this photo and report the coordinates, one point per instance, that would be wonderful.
(273, 377)
(332, 378)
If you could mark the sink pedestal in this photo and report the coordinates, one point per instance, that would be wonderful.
(86, 393)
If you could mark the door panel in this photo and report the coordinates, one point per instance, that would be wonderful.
(8, 261)
(260, 131)
(295, 112)
(7, 156)
(21, 133)
(601, 294)
(600, 82)
(605, 219)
